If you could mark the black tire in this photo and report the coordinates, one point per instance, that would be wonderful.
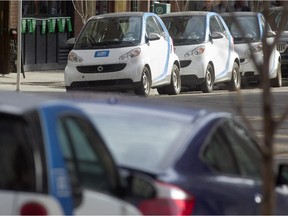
(162, 90)
(208, 85)
(277, 81)
(174, 88)
(145, 84)
(235, 82)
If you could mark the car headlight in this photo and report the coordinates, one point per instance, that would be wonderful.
(131, 54)
(197, 51)
(254, 49)
(73, 57)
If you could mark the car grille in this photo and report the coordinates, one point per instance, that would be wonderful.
(281, 47)
(101, 68)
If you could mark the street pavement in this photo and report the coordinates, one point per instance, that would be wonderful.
(38, 81)
(34, 81)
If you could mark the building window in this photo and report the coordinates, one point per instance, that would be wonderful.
(38, 8)
(134, 5)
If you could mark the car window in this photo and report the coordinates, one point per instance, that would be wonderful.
(152, 26)
(243, 28)
(218, 154)
(114, 31)
(186, 29)
(214, 25)
(16, 157)
(245, 149)
(81, 156)
(137, 138)
(161, 30)
(263, 23)
(231, 150)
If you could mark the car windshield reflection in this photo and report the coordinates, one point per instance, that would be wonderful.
(243, 29)
(186, 30)
(110, 32)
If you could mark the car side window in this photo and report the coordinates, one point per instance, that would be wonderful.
(263, 24)
(214, 25)
(16, 157)
(218, 154)
(217, 25)
(151, 26)
(161, 30)
(82, 157)
(245, 150)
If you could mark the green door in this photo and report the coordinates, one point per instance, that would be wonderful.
(4, 37)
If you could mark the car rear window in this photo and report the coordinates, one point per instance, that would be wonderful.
(139, 139)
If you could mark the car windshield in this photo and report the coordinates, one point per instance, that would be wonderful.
(243, 28)
(186, 30)
(140, 139)
(110, 32)
(275, 19)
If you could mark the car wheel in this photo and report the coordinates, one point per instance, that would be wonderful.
(145, 84)
(174, 87)
(208, 85)
(277, 81)
(235, 82)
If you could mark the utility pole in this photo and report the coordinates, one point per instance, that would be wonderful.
(19, 46)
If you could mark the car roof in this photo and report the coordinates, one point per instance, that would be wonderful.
(187, 13)
(134, 102)
(241, 13)
(119, 14)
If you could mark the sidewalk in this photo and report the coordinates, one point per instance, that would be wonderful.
(38, 81)
(35, 81)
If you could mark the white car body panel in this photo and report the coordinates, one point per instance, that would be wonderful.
(104, 205)
(133, 69)
(248, 64)
(11, 202)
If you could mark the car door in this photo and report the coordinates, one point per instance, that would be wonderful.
(236, 172)
(89, 164)
(158, 50)
(20, 192)
(273, 58)
(221, 48)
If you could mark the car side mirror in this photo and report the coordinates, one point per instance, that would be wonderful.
(140, 186)
(70, 42)
(216, 35)
(282, 176)
(153, 36)
(271, 34)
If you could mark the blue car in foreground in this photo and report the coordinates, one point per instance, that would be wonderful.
(53, 161)
(201, 161)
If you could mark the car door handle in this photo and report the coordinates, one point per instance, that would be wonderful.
(258, 198)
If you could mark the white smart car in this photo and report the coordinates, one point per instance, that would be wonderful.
(124, 51)
(205, 48)
(248, 30)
